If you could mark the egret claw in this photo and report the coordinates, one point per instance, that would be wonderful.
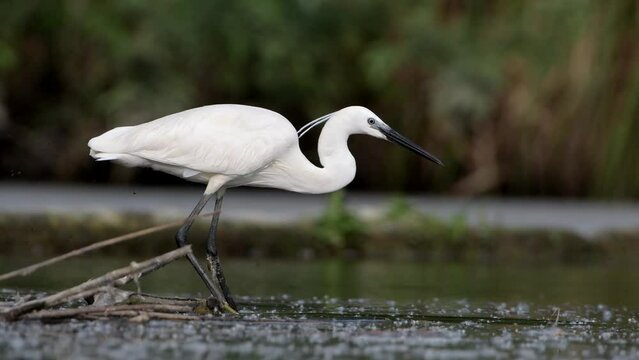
(229, 309)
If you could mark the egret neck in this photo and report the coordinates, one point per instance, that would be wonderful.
(338, 164)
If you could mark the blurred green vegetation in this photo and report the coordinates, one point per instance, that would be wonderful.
(338, 225)
(517, 97)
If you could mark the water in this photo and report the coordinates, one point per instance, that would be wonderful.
(346, 309)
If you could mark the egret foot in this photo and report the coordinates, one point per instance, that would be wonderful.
(215, 267)
(212, 306)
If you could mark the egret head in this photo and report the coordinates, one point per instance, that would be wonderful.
(370, 124)
(360, 120)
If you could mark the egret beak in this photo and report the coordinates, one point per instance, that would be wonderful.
(399, 139)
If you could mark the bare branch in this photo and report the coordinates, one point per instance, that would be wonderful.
(95, 246)
(114, 278)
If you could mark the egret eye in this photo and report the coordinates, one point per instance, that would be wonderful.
(371, 121)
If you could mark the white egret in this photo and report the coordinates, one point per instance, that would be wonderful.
(227, 146)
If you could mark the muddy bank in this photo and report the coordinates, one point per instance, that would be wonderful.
(403, 236)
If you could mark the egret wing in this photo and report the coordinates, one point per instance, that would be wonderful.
(217, 139)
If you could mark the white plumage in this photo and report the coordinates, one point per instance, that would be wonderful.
(236, 145)
(230, 140)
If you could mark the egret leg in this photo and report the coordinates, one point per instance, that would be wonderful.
(211, 250)
(181, 240)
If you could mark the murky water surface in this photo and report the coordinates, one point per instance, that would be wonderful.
(341, 309)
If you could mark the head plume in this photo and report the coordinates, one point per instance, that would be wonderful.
(306, 128)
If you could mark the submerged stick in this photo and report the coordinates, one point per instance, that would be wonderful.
(106, 310)
(141, 298)
(174, 317)
(116, 296)
(95, 246)
(113, 278)
(143, 316)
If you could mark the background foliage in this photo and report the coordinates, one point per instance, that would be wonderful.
(517, 97)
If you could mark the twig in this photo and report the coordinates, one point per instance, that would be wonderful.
(143, 316)
(557, 319)
(114, 296)
(105, 310)
(114, 278)
(169, 316)
(95, 246)
(135, 298)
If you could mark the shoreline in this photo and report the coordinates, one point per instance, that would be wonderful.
(265, 206)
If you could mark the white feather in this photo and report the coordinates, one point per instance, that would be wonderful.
(236, 145)
(217, 139)
(187, 173)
